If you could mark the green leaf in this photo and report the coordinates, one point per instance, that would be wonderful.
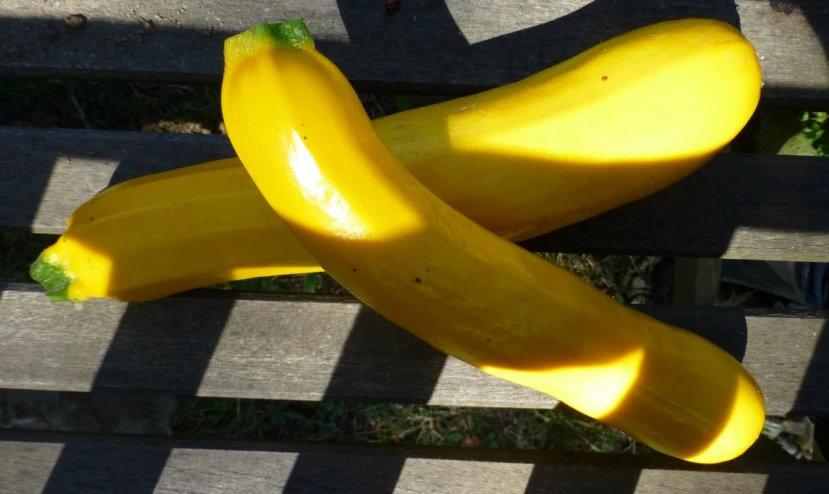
(291, 414)
(453, 438)
(799, 145)
(492, 444)
(311, 283)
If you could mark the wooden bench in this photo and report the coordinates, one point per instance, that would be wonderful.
(300, 347)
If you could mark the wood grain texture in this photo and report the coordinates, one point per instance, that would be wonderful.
(457, 46)
(300, 347)
(737, 206)
(62, 463)
(696, 281)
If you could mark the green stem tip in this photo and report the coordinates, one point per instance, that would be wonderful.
(292, 34)
(52, 278)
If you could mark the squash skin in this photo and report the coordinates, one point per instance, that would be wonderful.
(303, 136)
(169, 232)
(521, 160)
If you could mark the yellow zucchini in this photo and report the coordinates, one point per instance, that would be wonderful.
(302, 134)
(563, 145)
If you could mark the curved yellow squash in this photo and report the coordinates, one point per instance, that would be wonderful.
(308, 145)
(609, 126)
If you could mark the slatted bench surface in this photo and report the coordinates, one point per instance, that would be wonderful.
(737, 206)
(210, 343)
(312, 348)
(104, 464)
(457, 45)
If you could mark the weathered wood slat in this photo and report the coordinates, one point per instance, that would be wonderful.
(309, 348)
(696, 281)
(737, 206)
(63, 463)
(458, 46)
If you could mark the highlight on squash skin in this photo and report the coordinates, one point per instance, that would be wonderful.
(610, 392)
(461, 288)
(680, 92)
(520, 160)
(598, 389)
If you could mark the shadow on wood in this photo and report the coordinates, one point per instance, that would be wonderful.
(23, 187)
(149, 340)
(464, 47)
(370, 336)
(737, 206)
(83, 469)
(815, 378)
